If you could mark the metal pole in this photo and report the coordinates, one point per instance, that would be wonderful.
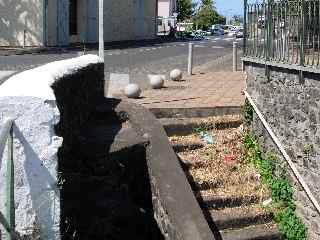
(235, 56)
(101, 37)
(190, 59)
(245, 28)
(9, 202)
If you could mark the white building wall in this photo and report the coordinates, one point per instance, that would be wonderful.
(164, 8)
(129, 20)
(21, 21)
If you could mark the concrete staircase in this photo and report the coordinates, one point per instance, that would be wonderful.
(233, 210)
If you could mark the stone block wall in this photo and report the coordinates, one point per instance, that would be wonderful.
(291, 107)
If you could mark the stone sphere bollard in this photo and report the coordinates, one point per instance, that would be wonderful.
(156, 82)
(176, 75)
(132, 90)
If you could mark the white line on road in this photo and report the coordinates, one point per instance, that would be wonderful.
(217, 47)
(117, 83)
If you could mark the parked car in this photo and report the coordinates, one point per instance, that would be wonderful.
(217, 31)
(239, 33)
(232, 33)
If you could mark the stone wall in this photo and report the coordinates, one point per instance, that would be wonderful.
(291, 108)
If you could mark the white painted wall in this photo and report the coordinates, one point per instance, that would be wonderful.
(129, 20)
(164, 8)
(28, 99)
(17, 16)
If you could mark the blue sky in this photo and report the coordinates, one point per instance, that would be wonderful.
(229, 6)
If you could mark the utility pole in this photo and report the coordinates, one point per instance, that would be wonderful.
(101, 38)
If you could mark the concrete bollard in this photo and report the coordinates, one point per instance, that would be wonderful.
(190, 59)
(235, 56)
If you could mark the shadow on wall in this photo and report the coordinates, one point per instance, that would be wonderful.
(21, 22)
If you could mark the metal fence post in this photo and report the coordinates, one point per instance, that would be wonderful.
(302, 38)
(245, 28)
(235, 56)
(190, 58)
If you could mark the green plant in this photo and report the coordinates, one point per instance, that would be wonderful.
(274, 175)
(307, 149)
(290, 225)
(247, 111)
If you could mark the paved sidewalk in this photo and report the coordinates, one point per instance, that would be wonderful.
(201, 90)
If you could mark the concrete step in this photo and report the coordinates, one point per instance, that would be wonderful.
(219, 202)
(255, 232)
(201, 185)
(239, 217)
(186, 146)
(187, 164)
(186, 126)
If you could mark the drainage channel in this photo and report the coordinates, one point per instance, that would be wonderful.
(227, 188)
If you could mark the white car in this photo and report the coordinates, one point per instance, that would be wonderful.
(239, 33)
(232, 33)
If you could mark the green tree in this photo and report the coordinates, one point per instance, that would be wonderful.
(237, 19)
(185, 9)
(207, 15)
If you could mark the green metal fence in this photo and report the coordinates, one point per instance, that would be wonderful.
(6, 142)
(286, 31)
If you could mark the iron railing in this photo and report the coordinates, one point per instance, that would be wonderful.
(7, 218)
(284, 31)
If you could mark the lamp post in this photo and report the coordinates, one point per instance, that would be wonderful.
(101, 38)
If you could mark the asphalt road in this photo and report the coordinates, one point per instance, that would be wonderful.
(136, 62)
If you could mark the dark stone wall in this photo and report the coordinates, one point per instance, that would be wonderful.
(291, 107)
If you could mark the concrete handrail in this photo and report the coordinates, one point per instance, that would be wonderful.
(177, 211)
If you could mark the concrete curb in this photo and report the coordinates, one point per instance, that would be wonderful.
(196, 112)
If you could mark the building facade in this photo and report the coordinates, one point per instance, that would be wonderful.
(62, 22)
(166, 8)
(166, 16)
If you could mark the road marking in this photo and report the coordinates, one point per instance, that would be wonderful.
(117, 83)
(154, 48)
(182, 44)
(109, 54)
(217, 47)
(199, 46)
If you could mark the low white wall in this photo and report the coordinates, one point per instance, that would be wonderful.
(29, 100)
(17, 16)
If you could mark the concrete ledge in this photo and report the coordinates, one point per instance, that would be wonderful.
(176, 209)
(282, 65)
(195, 112)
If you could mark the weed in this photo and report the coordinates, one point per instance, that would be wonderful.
(247, 111)
(307, 149)
(274, 175)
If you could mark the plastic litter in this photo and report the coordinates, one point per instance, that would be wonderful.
(229, 159)
(206, 137)
(267, 202)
